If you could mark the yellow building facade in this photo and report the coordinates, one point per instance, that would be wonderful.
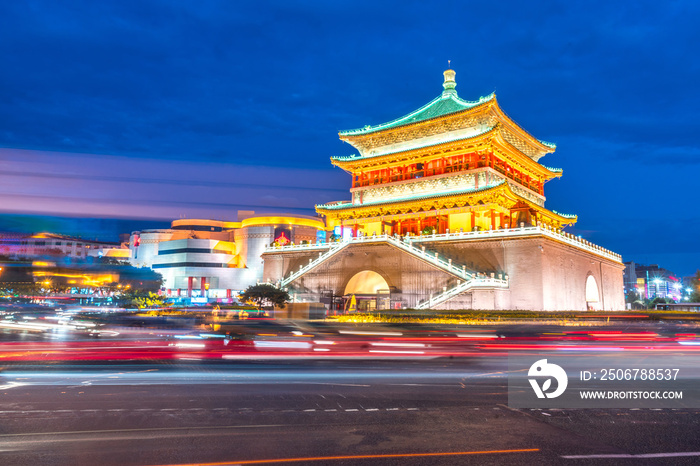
(451, 165)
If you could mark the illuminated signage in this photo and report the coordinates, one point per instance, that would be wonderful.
(283, 236)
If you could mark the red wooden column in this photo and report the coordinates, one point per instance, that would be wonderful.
(189, 286)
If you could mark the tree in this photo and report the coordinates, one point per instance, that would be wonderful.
(265, 295)
(148, 299)
(634, 298)
(695, 294)
(138, 298)
(658, 300)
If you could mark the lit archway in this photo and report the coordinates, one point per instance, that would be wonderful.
(366, 282)
(592, 294)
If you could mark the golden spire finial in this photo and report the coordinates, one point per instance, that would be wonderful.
(450, 83)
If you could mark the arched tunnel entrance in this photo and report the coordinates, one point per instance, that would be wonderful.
(592, 293)
(366, 291)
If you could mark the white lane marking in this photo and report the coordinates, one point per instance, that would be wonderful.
(644, 455)
(143, 410)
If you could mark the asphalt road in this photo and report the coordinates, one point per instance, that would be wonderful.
(437, 411)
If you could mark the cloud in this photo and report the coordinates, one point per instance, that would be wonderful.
(118, 186)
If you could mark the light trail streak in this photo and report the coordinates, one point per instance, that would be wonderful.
(30, 378)
(407, 345)
(359, 457)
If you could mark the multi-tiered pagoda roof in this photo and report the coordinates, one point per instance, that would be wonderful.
(450, 155)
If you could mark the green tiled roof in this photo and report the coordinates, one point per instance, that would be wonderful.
(445, 104)
(346, 158)
(350, 205)
(553, 170)
(485, 130)
(565, 215)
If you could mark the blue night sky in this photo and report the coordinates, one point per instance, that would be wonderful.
(158, 110)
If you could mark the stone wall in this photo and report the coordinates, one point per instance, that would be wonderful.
(544, 274)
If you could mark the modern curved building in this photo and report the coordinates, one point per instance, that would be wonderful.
(215, 260)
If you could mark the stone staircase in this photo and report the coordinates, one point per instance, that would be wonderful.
(333, 249)
(469, 279)
(403, 244)
(476, 282)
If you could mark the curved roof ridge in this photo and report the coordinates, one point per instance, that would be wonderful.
(564, 215)
(451, 103)
(553, 170)
(361, 157)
